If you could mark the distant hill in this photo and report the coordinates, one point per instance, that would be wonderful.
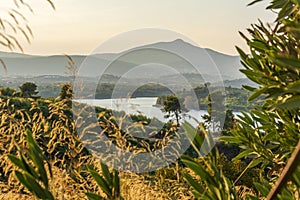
(30, 65)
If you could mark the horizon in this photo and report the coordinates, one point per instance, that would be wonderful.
(78, 29)
(117, 52)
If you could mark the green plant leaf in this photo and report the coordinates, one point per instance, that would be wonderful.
(196, 167)
(195, 138)
(231, 139)
(291, 103)
(36, 188)
(93, 196)
(37, 157)
(294, 87)
(243, 154)
(101, 182)
(262, 189)
(116, 184)
(257, 93)
(254, 2)
(197, 186)
(22, 180)
(289, 62)
(107, 175)
(256, 162)
(28, 168)
(15, 160)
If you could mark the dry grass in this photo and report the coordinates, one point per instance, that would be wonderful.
(133, 187)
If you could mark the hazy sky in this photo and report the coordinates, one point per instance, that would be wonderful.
(79, 26)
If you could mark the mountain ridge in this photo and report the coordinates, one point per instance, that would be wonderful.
(24, 64)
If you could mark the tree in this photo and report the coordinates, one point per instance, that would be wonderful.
(172, 105)
(268, 135)
(229, 122)
(66, 92)
(28, 90)
(270, 132)
(9, 92)
(216, 111)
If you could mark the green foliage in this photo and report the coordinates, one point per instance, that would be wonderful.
(236, 98)
(216, 174)
(173, 106)
(109, 182)
(104, 91)
(166, 173)
(66, 92)
(28, 90)
(269, 133)
(141, 119)
(214, 184)
(33, 176)
(8, 92)
(233, 169)
(151, 90)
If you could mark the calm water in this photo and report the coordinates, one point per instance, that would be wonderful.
(142, 105)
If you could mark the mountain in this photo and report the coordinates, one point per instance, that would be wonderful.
(184, 57)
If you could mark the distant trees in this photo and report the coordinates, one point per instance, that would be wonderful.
(66, 92)
(9, 92)
(28, 90)
(173, 106)
(216, 110)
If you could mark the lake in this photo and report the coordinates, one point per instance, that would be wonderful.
(142, 105)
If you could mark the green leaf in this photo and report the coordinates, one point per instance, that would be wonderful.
(254, 76)
(250, 197)
(247, 87)
(197, 186)
(243, 154)
(257, 93)
(36, 158)
(15, 160)
(231, 139)
(28, 168)
(291, 103)
(93, 196)
(196, 167)
(277, 4)
(262, 189)
(106, 173)
(289, 62)
(101, 182)
(259, 45)
(36, 188)
(116, 184)
(192, 134)
(294, 87)
(23, 181)
(254, 2)
(256, 162)
(286, 195)
(243, 55)
(36, 155)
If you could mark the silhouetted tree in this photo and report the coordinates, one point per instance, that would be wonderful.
(172, 105)
(28, 90)
(9, 92)
(66, 92)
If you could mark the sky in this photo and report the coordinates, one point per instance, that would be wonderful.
(80, 26)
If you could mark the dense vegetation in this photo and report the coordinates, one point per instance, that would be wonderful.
(42, 155)
(50, 121)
